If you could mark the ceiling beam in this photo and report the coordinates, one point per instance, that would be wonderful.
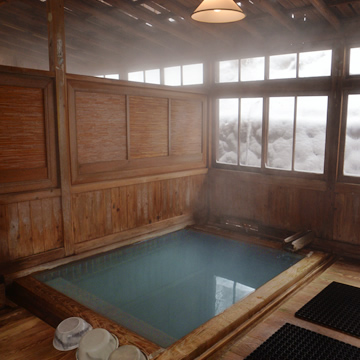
(151, 19)
(342, 2)
(278, 13)
(326, 12)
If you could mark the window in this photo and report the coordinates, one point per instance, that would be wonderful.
(112, 76)
(354, 68)
(310, 135)
(152, 76)
(228, 131)
(172, 76)
(295, 137)
(251, 131)
(352, 136)
(280, 133)
(136, 76)
(315, 63)
(282, 66)
(253, 69)
(229, 71)
(193, 74)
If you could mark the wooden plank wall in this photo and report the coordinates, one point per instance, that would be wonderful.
(105, 212)
(30, 226)
(291, 204)
(141, 180)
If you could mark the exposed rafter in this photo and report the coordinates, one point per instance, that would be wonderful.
(277, 12)
(326, 12)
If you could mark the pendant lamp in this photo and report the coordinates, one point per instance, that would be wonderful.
(218, 11)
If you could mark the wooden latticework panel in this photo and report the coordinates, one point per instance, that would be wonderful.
(100, 127)
(186, 127)
(148, 127)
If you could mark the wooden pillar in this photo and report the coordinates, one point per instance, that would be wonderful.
(56, 37)
(334, 127)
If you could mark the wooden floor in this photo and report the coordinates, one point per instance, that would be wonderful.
(342, 271)
(24, 336)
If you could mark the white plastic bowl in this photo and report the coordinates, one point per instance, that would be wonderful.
(69, 333)
(127, 352)
(97, 344)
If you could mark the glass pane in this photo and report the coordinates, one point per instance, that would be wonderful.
(228, 131)
(253, 69)
(172, 76)
(193, 74)
(112, 76)
(352, 140)
(282, 66)
(229, 71)
(354, 61)
(152, 76)
(280, 133)
(24, 34)
(315, 63)
(311, 118)
(136, 76)
(251, 131)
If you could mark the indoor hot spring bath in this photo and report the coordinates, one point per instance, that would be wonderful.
(173, 296)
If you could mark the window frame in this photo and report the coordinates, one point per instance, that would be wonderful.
(341, 177)
(266, 93)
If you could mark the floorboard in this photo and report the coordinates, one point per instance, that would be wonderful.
(24, 336)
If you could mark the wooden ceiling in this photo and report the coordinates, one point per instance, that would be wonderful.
(105, 36)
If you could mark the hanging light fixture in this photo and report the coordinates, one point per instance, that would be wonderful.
(218, 11)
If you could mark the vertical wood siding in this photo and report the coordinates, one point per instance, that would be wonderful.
(30, 228)
(111, 211)
(293, 207)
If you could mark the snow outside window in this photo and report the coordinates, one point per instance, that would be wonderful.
(296, 132)
(172, 76)
(227, 152)
(352, 137)
(136, 76)
(228, 71)
(251, 120)
(354, 68)
(306, 127)
(192, 74)
(253, 69)
(283, 66)
(280, 132)
(315, 63)
(152, 76)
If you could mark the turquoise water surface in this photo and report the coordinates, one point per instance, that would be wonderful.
(166, 287)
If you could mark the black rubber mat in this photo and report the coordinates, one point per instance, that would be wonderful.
(336, 307)
(291, 342)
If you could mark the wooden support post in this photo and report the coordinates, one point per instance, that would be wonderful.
(56, 36)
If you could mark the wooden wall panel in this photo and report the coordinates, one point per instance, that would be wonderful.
(270, 202)
(22, 128)
(347, 217)
(27, 133)
(110, 211)
(186, 126)
(30, 227)
(100, 127)
(149, 129)
(120, 131)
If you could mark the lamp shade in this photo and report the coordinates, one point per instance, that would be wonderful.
(218, 11)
